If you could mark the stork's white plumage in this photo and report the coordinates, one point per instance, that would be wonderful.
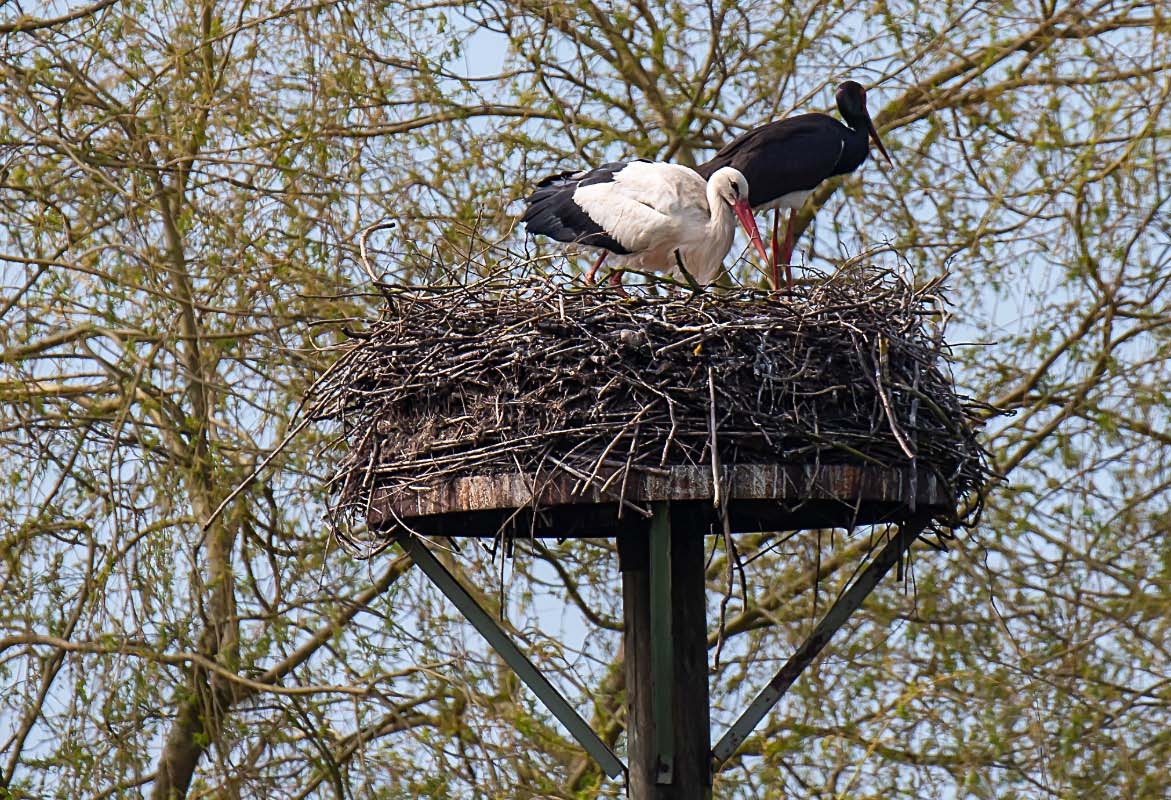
(651, 214)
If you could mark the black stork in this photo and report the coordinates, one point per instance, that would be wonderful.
(652, 214)
(784, 161)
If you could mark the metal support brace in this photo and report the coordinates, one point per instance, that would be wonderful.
(841, 610)
(512, 655)
(662, 644)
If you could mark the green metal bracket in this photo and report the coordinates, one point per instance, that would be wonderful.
(512, 655)
(846, 605)
(662, 644)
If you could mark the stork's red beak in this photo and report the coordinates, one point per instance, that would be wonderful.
(877, 141)
(744, 214)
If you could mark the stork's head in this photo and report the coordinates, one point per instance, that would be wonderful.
(731, 187)
(851, 97)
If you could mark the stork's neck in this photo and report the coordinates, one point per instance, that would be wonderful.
(855, 124)
(707, 247)
(721, 216)
(855, 147)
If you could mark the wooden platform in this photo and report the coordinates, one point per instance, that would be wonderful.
(759, 497)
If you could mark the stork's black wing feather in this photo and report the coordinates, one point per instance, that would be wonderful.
(550, 210)
(789, 155)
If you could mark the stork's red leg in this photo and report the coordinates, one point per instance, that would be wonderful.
(787, 255)
(616, 281)
(776, 248)
(592, 275)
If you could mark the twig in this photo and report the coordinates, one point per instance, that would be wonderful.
(717, 495)
(362, 248)
(244, 484)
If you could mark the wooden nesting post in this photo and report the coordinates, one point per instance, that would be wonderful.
(660, 525)
(522, 409)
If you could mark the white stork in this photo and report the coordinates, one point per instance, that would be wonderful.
(652, 214)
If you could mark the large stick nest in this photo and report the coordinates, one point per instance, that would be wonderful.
(525, 375)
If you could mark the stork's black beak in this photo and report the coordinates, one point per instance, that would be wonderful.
(877, 141)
